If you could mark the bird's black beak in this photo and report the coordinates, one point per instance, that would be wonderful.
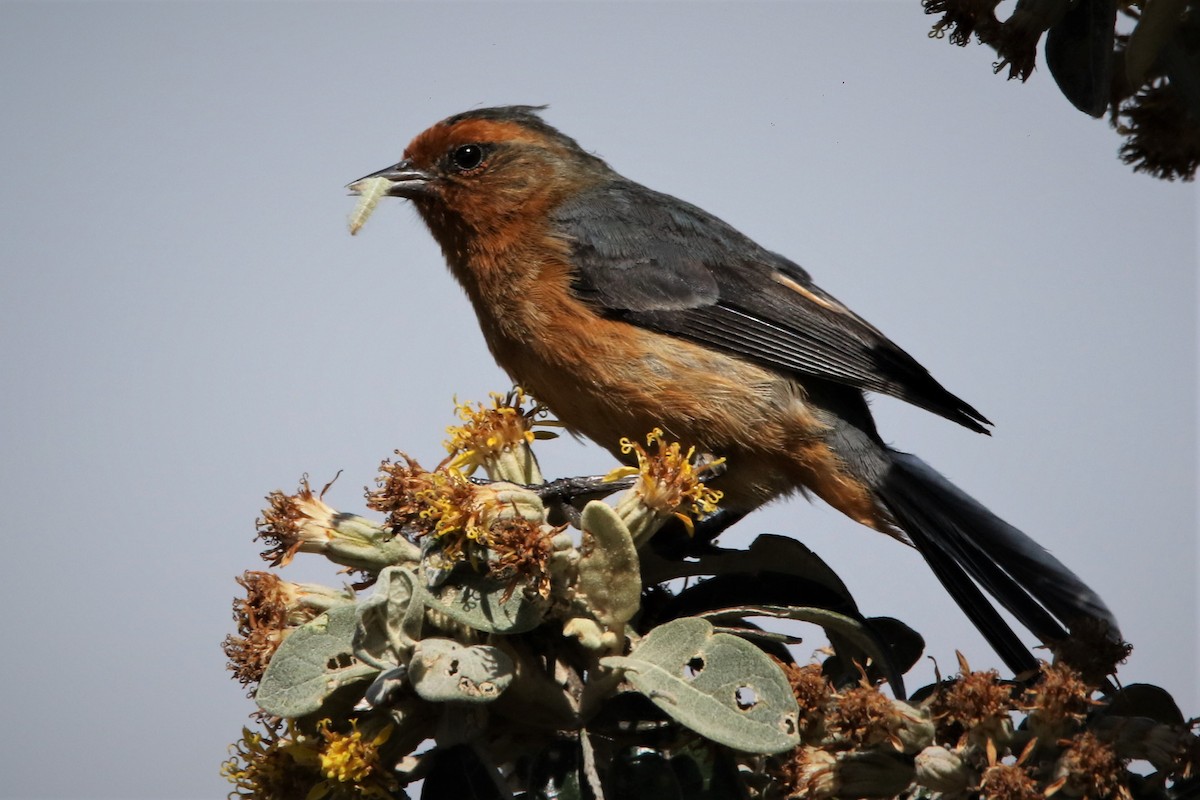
(405, 178)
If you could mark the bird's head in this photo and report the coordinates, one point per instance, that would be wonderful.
(479, 171)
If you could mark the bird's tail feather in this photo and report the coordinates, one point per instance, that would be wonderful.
(961, 540)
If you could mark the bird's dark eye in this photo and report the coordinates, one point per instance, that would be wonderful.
(467, 157)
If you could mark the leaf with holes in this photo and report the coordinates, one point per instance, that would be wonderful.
(443, 671)
(717, 684)
(312, 663)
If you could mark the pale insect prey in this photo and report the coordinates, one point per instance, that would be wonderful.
(369, 191)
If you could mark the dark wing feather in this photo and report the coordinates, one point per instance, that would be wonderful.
(660, 263)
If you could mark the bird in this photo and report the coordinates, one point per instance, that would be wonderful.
(623, 309)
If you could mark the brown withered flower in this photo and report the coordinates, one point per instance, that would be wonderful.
(1057, 703)
(974, 704)
(1162, 137)
(1089, 768)
(262, 621)
(304, 523)
(862, 717)
(1002, 781)
(267, 614)
(280, 526)
(401, 487)
(520, 554)
(1009, 782)
(418, 503)
(809, 772)
(962, 18)
(813, 695)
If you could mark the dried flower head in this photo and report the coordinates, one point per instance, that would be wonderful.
(401, 487)
(262, 622)
(862, 717)
(1092, 651)
(300, 522)
(271, 609)
(446, 505)
(670, 481)
(1009, 782)
(419, 503)
(1058, 702)
(1162, 138)
(288, 522)
(305, 523)
(520, 553)
(809, 772)
(962, 18)
(1090, 768)
(813, 695)
(975, 704)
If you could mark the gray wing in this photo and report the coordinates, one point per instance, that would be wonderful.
(663, 264)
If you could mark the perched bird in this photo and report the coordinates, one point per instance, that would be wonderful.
(623, 309)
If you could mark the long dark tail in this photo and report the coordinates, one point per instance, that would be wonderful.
(962, 541)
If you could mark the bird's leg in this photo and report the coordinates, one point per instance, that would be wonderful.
(563, 496)
(566, 495)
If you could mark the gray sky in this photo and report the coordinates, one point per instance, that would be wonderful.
(187, 324)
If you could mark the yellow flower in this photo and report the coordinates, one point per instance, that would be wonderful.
(446, 505)
(489, 434)
(349, 758)
(451, 507)
(267, 766)
(670, 482)
(420, 503)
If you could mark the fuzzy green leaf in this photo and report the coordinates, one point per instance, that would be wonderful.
(851, 639)
(608, 570)
(311, 664)
(719, 685)
(479, 602)
(389, 621)
(442, 671)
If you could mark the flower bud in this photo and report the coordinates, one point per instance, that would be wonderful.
(942, 770)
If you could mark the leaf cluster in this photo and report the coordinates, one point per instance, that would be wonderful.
(537, 658)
